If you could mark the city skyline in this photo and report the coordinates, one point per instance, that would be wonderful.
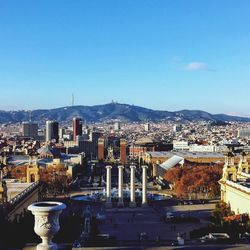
(161, 55)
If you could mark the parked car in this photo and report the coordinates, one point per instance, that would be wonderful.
(215, 237)
(169, 216)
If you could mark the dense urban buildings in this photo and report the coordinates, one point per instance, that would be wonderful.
(131, 165)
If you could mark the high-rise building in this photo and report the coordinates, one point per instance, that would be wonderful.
(77, 127)
(30, 129)
(48, 131)
(94, 136)
(61, 133)
(52, 131)
(123, 154)
(90, 147)
(117, 126)
(100, 149)
(147, 127)
(55, 131)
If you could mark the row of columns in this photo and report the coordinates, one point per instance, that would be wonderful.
(132, 186)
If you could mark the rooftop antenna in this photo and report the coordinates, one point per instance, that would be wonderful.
(73, 99)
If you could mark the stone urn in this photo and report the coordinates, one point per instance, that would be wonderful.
(46, 222)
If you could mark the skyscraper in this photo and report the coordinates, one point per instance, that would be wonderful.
(117, 126)
(30, 129)
(61, 133)
(52, 131)
(77, 127)
(147, 127)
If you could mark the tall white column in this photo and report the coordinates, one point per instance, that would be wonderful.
(108, 187)
(120, 186)
(144, 186)
(132, 186)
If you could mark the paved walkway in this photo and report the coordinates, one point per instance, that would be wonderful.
(127, 224)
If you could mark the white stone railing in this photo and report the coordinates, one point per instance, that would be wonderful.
(245, 174)
(239, 186)
(24, 193)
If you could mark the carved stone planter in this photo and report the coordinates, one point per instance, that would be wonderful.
(46, 221)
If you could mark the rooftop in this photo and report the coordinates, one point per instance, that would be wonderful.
(183, 154)
(172, 162)
(145, 140)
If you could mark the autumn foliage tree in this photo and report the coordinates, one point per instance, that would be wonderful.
(55, 180)
(18, 172)
(195, 181)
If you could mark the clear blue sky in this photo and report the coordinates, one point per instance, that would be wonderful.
(161, 54)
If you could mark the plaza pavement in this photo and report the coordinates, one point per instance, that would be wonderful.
(127, 224)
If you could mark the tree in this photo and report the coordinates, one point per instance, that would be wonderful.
(55, 180)
(195, 180)
(221, 210)
(18, 172)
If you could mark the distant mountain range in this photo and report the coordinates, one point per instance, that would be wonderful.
(114, 111)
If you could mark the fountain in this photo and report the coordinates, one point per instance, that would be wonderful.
(121, 195)
(99, 196)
